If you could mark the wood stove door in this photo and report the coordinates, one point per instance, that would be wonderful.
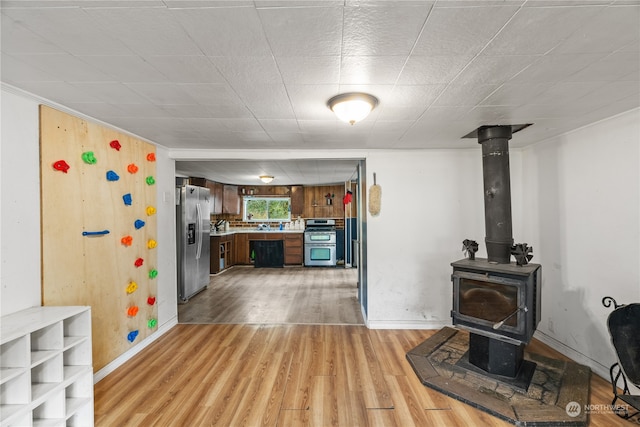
(493, 304)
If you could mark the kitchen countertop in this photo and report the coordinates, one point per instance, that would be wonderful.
(252, 230)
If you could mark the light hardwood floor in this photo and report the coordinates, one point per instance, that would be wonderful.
(265, 372)
(295, 295)
(288, 376)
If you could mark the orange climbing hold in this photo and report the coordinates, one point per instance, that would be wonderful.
(127, 240)
(151, 157)
(132, 311)
(132, 168)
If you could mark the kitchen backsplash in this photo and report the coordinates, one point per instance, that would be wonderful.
(235, 221)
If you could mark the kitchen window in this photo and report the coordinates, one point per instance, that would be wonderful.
(263, 209)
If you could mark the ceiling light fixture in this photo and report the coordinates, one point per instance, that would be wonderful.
(266, 178)
(352, 107)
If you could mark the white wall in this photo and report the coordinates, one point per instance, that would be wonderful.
(431, 201)
(584, 209)
(20, 193)
(20, 275)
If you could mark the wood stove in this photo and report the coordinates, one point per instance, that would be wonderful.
(499, 304)
(496, 300)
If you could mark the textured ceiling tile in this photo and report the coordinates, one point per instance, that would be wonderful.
(279, 125)
(248, 70)
(494, 69)
(212, 94)
(562, 93)
(111, 92)
(461, 31)
(64, 67)
(382, 31)
(371, 70)
(614, 67)
(229, 111)
(538, 30)
(515, 94)
(146, 31)
(601, 32)
(309, 69)
(232, 31)
(555, 68)
(432, 69)
(124, 68)
(15, 71)
(611, 92)
(61, 27)
(17, 38)
(186, 69)
(146, 111)
(304, 31)
(162, 93)
(464, 95)
(310, 101)
(267, 101)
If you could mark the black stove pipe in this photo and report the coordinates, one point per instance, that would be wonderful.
(497, 192)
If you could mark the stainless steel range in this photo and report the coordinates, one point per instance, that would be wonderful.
(320, 243)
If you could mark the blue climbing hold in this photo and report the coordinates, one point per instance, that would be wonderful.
(132, 335)
(112, 176)
(127, 199)
(138, 224)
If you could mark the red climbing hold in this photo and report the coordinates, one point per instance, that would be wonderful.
(115, 144)
(61, 166)
(139, 262)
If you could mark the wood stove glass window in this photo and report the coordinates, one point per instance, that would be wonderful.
(488, 301)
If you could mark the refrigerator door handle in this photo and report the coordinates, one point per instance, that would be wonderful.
(199, 230)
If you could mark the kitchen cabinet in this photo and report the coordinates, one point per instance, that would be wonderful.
(215, 202)
(293, 250)
(297, 201)
(46, 367)
(222, 255)
(241, 244)
(265, 190)
(230, 199)
(215, 193)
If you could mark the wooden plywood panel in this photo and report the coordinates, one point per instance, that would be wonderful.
(96, 270)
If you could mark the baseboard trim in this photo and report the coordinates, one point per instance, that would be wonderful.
(405, 324)
(124, 357)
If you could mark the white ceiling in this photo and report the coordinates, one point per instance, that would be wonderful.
(192, 74)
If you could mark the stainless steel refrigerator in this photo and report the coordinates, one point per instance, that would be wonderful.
(193, 227)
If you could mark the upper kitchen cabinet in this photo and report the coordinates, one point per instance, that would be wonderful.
(297, 201)
(216, 200)
(230, 199)
(215, 192)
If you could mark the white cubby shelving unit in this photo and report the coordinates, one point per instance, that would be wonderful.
(46, 372)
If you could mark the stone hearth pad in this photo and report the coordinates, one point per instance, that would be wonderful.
(557, 394)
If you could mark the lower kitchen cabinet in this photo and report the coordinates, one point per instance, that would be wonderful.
(222, 255)
(293, 250)
(46, 373)
(292, 242)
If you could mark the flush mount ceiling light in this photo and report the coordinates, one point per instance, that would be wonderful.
(352, 107)
(266, 178)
